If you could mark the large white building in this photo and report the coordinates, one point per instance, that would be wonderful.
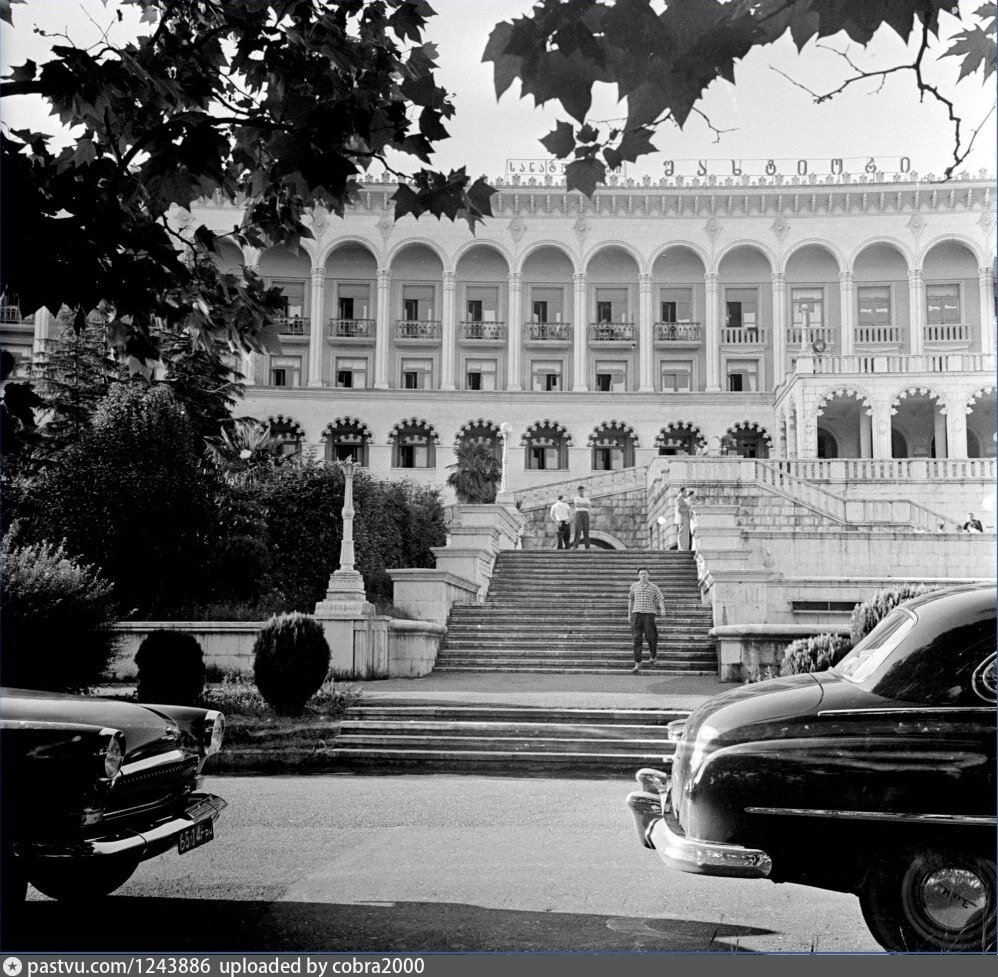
(803, 317)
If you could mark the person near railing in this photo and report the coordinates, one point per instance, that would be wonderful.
(684, 514)
(973, 524)
(561, 513)
(582, 507)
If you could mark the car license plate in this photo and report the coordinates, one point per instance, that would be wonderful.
(196, 835)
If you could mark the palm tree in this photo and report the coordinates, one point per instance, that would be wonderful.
(476, 473)
(244, 450)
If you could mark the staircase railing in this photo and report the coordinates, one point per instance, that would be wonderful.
(597, 486)
(774, 477)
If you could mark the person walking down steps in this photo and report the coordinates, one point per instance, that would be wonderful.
(582, 509)
(643, 601)
(561, 513)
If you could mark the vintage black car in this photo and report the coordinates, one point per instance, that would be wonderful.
(876, 778)
(91, 787)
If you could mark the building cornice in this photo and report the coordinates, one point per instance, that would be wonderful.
(777, 196)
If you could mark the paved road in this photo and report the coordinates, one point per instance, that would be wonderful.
(436, 863)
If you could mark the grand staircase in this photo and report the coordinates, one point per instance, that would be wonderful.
(566, 611)
(512, 740)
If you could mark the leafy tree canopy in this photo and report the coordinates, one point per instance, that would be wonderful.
(662, 57)
(279, 104)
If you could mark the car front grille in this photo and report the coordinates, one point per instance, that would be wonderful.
(151, 786)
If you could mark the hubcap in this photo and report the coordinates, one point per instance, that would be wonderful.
(953, 898)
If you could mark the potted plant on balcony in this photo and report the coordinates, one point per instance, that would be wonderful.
(476, 474)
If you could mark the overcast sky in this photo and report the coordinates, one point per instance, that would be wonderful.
(769, 116)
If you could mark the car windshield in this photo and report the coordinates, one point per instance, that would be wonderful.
(868, 655)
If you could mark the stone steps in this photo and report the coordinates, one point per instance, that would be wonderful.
(557, 611)
(503, 739)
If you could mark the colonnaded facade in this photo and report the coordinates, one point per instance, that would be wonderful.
(799, 318)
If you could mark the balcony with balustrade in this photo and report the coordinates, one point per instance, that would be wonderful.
(877, 335)
(672, 334)
(819, 339)
(487, 332)
(612, 333)
(351, 331)
(946, 333)
(417, 332)
(292, 327)
(742, 336)
(547, 333)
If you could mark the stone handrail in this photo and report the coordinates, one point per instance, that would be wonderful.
(888, 469)
(597, 486)
(940, 362)
(851, 513)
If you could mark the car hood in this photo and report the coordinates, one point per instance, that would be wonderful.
(146, 730)
(758, 702)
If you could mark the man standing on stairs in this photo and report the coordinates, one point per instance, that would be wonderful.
(643, 601)
(561, 513)
(683, 514)
(582, 507)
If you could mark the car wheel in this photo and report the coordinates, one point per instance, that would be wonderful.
(931, 901)
(73, 880)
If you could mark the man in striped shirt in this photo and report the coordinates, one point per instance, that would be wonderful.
(643, 601)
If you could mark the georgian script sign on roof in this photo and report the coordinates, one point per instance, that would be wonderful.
(546, 167)
(816, 166)
(776, 166)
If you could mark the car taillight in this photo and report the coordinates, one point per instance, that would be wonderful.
(675, 730)
(110, 754)
(212, 732)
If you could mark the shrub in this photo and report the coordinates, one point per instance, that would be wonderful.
(815, 654)
(171, 668)
(290, 661)
(866, 616)
(476, 474)
(57, 626)
(132, 497)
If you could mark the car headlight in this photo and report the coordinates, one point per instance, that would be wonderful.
(212, 732)
(705, 738)
(110, 754)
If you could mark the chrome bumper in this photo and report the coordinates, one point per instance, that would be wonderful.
(159, 837)
(658, 828)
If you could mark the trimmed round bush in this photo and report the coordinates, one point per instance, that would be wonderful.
(171, 668)
(290, 661)
(57, 620)
(866, 616)
(815, 654)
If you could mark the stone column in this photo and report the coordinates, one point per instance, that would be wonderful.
(646, 345)
(939, 433)
(712, 331)
(865, 434)
(956, 432)
(916, 310)
(985, 282)
(580, 332)
(882, 430)
(317, 332)
(514, 335)
(847, 314)
(383, 328)
(247, 358)
(779, 327)
(346, 585)
(448, 331)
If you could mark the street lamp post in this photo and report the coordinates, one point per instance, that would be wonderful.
(504, 432)
(346, 585)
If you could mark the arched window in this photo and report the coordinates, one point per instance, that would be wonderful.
(613, 446)
(747, 440)
(413, 444)
(347, 438)
(483, 431)
(546, 445)
(288, 433)
(680, 438)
